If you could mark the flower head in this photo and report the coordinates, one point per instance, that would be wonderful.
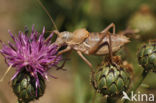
(32, 53)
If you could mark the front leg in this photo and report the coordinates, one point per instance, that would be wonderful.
(87, 62)
(64, 51)
(61, 52)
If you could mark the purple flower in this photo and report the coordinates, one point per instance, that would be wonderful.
(33, 53)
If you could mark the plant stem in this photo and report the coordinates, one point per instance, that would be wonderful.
(111, 100)
(94, 97)
(144, 74)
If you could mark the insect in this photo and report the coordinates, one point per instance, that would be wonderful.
(84, 42)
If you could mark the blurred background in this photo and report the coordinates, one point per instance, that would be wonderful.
(73, 85)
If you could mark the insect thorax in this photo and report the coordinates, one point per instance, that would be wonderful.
(73, 38)
(66, 36)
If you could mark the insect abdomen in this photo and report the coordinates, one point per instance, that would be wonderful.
(117, 42)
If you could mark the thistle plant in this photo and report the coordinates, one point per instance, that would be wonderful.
(31, 56)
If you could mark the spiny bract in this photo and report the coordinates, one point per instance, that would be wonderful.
(111, 80)
(147, 56)
(24, 87)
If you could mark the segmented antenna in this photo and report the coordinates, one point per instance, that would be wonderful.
(51, 19)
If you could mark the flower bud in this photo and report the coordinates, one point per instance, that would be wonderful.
(147, 57)
(111, 80)
(25, 88)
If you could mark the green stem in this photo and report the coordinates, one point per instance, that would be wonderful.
(111, 100)
(144, 74)
(94, 97)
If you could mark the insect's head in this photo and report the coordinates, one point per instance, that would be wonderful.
(62, 37)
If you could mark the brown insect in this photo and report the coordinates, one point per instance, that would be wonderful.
(84, 42)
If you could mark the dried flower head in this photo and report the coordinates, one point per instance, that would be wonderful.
(33, 53)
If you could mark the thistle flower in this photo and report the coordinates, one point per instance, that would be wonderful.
(32, 53)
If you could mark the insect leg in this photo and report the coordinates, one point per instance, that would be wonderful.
(104, 34)
(62, 65)
(94, 49)
(65, 50)
(112, 25)
(87, 62)
(64, 62)
(109, 48)
(61, 52)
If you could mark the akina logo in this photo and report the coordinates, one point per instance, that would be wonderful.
(138, 97)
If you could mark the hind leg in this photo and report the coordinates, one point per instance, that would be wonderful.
(95, 49)
(104, 33)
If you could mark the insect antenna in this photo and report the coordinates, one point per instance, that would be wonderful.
(50, 17)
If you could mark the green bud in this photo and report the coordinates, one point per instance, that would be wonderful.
(24, 87)
(147, 57)
(111, 80)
